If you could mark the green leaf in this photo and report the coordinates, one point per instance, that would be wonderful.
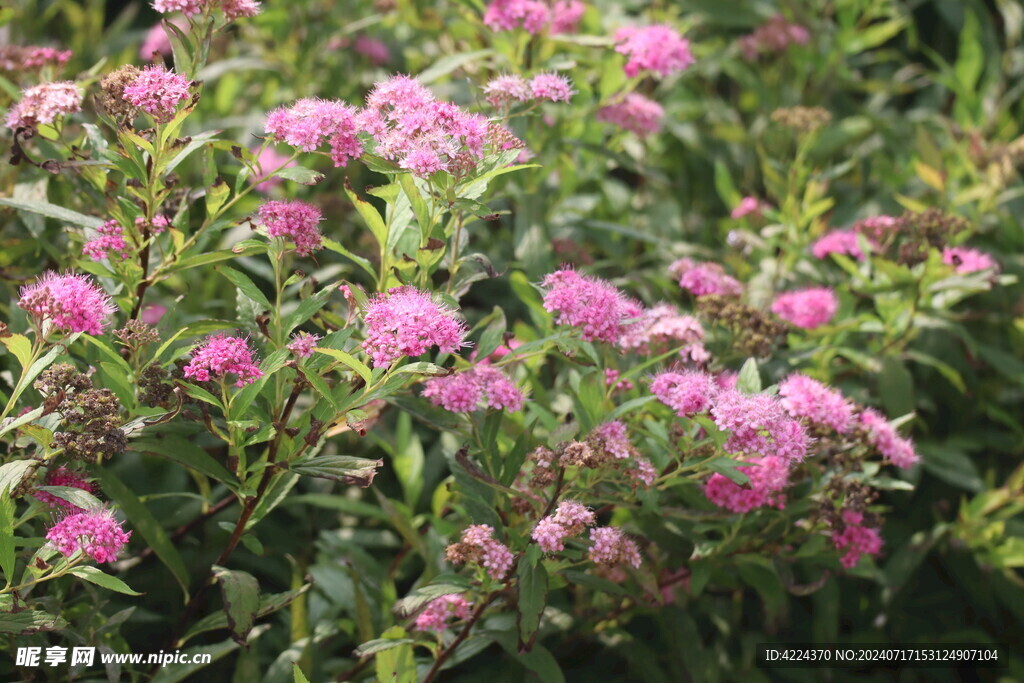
(308, 307)
(422, 368)
(179, 672)
(344, 468)
(247, 286)
(20, 347)
(7, 556)
(419, 206)
(143, 521)
(297, 674)
(358, 260)
(372, 647)
(450, 63)
(14, 472)
(102, 579)
(241, 593)
(759, 573)
(185, 452)
(75, 496)
(411, 603)
(595, 582)
(370, 215)
(350, 361)
(30, 621)
(268, 605)
(216, 195)
(749, 379)
(896, 387)
(396, 664)
(533, 592)
(298, 174)
(727, 468)
(53, 211)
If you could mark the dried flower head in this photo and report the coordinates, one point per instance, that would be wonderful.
(43, 103)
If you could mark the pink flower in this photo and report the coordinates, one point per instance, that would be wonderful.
(566, 16)
(569, 520)
(158, 41)
(877, 228)
(549, 534)
(551, 86)
(611, 379)
(758, 424)
(882, 435)
(658, 48)
(775, 35)
(506, 15)
(407, 322)
(95, 532)
(437, 612)
(62, 476)
(660, 326)
(702, 278)
(159, 224)
(30, 57)
(839, 242)
(768, 476)
(295, 220)
(158, 92)
(152, 314)
(823, 406)
(42, 104)
(968, 260)
(236, 9)
(220, 355)
(505, 89)
(609, 546)
(465, 391)
(110, 240)
(687, 393)
(855, 539)
(748, 205)
(302, 344)
(374, 50)
(595, 306)
(635, 113)
(71, 302)
(309, 123)
(806, 308)
(614, 439)
(268, 161)
(186, 7)
(642, 472)
(480, 546)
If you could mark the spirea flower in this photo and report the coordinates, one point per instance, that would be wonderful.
(658, 48)
(30, 57)
(807, 308)
(768, 476)
(43, 103)
(157, 41)
(302, 344)
(236, 9)
(658, 327)
(70, 302)
(613, 439)
(747, 206)
(506, 15)
(268, 161)
(968, 260)
(62, 476)
(687, 393)
(371, 48)
(759, 424)
(884, 437)
(595, 306)
(482, 386)
(295, 220)
(479, 546)
(823, 406)
(877, 228)
(838, 242)
(158, 91)
(439, 610)
(551, 86)
(855, 539)
(635, 113)
(95, 532)
(569, 520)
(775, 35)
(566, 16)
(506, 89)
(611, 379)
(407, 322)
(309, 123)
(642, 472)
(609, 546)
(703, 278)
(219, 356)
(109, 241)
(186, 7)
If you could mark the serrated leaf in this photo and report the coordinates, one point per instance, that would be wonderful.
(30, 621)
(241, 593)
(102, 579)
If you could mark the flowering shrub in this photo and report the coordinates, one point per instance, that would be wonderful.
(555, 337)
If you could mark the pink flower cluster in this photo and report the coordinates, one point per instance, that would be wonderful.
(562, 16)
(308, 123)
(775, 35)
(569, 520)
(27, 57)
(747, 206)
(95, 532)
(71, 302)
(856, 540)
(481, 386)
(220, 355)
(662, 325)
(614, 439)
(806, 308)
(438, 611)
(611, 379)
(823, 406)
(876, 228)
(159, 224)
(703, 278)
(968, 260)
(635, 113)
(371, 48)
(232, 9)
(493, 555)
(43, 103)
(158, 91)
(110, 240)
(504, 90)
(657, 48)
(899, 450)
(601, 311)
(407, 322)
(759, 424)
(839, 242)
(687, 393)
(302, 344)
(610, 546)
(295, 220)
(62, 476)
(768, 477)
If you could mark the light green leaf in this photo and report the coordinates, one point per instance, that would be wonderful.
(102, 579)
